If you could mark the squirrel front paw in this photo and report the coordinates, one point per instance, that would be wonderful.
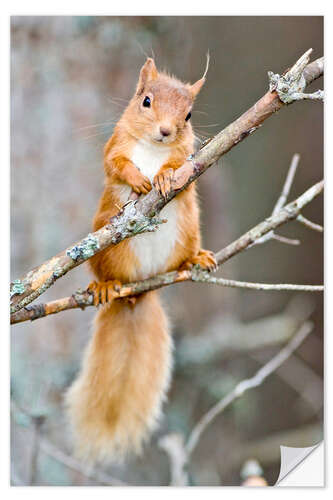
(162, 181)
(138, 182)
(204, 258)
(104, 292)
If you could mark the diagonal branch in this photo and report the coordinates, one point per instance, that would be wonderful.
(140, 215)
(184, 451)
(245, 385)
(287, 213)
(72, 463)
(60, 456)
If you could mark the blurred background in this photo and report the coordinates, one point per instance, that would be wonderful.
(71, 77)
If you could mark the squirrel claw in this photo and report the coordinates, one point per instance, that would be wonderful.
(162, 181)
(204, 258)
(142, 188)
(104, 292)
(138, 182)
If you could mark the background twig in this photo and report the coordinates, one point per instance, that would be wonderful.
(245, 385)
(265, 371)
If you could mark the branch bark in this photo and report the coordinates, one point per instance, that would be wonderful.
(287, 213)
(140, 215)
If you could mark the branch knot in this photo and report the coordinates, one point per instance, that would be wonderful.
(290, 86)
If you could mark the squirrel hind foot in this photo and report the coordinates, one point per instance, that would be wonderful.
(104, 292)
(204, 258)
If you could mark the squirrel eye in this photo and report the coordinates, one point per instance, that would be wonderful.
(146, 102)
(188, 116)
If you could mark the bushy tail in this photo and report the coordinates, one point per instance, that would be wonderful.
(117, 398)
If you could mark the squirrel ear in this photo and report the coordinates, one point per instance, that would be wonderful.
(196, 87)
(148, 72)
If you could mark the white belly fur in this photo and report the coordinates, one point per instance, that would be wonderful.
(153, 249)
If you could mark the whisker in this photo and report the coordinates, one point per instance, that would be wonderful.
(96, 125)
(202, 137)
(206, 126)
(202, 132)
(117, 98)
(99, 134)
(121, 106)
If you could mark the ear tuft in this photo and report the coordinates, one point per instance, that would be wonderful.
(148, 73)
(196, 87)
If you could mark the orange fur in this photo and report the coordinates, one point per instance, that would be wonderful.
(116, 400)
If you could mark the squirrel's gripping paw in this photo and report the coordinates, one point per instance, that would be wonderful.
(139, 182)
(162, 181)
(204, 258)
(104, 291)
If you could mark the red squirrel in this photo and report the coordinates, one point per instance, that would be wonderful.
(116, 401)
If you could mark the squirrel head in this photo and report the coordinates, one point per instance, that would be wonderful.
(160, 109)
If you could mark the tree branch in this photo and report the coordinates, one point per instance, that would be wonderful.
(286, 214)
(140, 215)
(83, 299)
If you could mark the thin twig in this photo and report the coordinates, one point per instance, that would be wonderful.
(281, 202)
(140, 215)
(206, 278)
(35, 424)
(283, 239)
(287, 184)
(308, 223)
(82, 299)
(173, 445)
(47, 447)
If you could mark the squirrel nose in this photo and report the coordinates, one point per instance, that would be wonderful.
(165, 131)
